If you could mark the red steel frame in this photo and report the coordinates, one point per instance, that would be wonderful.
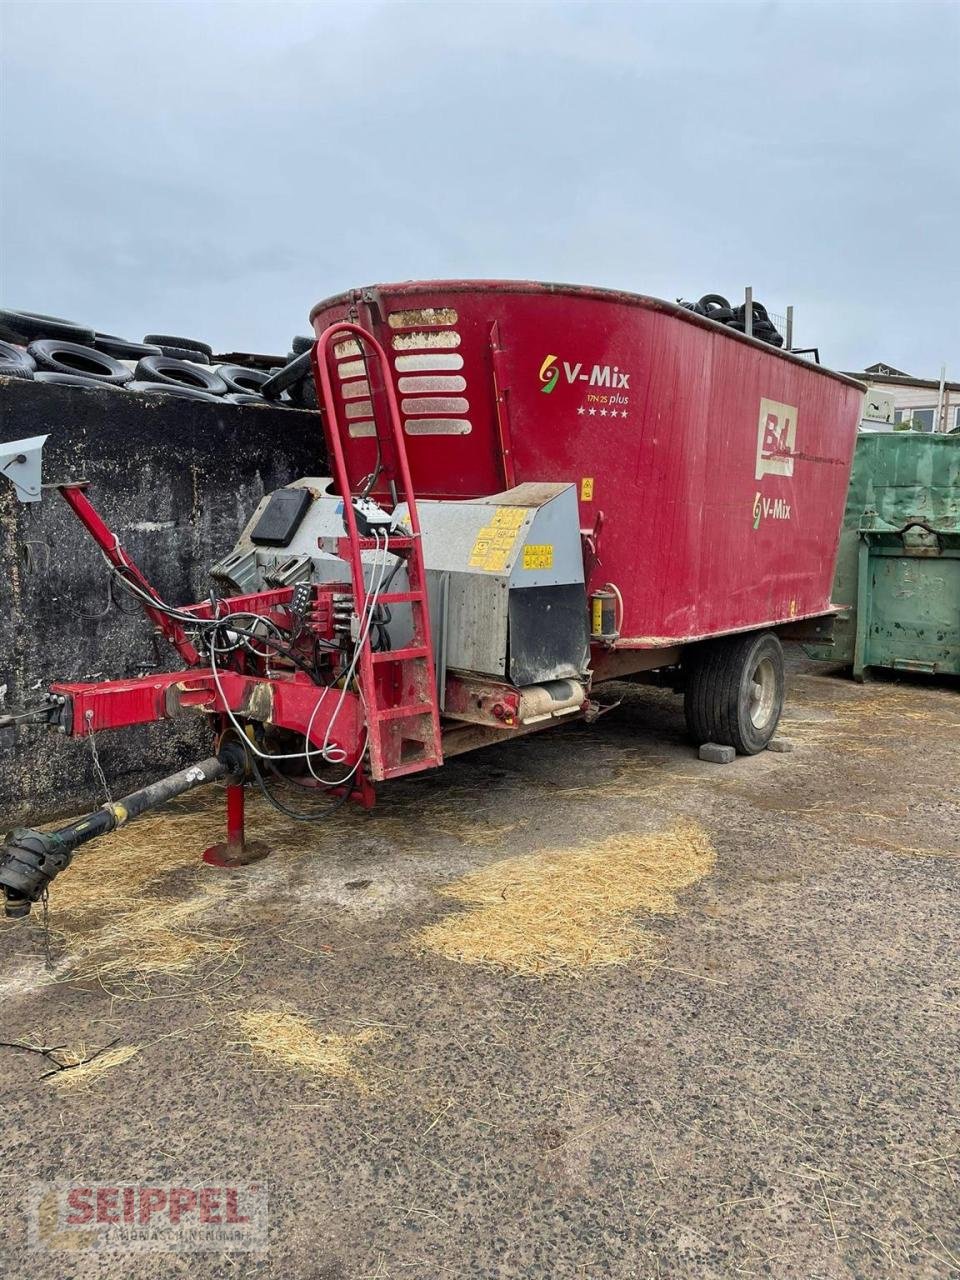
(394, 714)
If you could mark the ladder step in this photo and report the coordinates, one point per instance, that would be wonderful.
(407, 712)
(400, 655)
(396, 543)
(414, 766)
(402, 597)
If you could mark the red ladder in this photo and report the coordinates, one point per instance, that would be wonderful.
(398, 686)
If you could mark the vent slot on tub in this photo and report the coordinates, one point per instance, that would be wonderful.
(428, 371)
(356, 400)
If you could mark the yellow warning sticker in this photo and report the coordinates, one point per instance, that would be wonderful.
(586, 489)
(538, 555)
(509, 517)
(495, 541)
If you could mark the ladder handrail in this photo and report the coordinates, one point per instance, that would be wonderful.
(409, 546)
(321, 368)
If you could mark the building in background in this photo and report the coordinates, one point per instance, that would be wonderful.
(914, 400)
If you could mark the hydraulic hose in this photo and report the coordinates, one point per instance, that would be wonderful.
(29, 859)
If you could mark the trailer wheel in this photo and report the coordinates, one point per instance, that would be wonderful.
(734, 691)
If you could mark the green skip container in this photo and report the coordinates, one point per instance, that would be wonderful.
(897, 579)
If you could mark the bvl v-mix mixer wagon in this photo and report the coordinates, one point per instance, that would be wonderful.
(535, 488)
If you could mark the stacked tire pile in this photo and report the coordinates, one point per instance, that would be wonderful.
(716, 307)
(50, 349)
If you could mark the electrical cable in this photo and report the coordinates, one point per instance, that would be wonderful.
(330, 753)
(205, 632)
(280, 807)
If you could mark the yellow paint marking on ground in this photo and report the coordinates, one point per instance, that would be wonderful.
(564, 911)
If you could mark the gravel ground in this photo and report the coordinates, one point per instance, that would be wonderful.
(767, 1087)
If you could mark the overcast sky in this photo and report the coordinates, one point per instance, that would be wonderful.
(211, 170)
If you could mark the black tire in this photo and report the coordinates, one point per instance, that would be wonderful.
(122, 349)
(241, 379)
(302, 343)
(176, 389)
(10, 370)
(75, 380)
(304, 395)
(759, 313)
(28, 326)
(710, 300)
(284, 379)
(10, 355)
(180, 373)
(185, 353)
(722, 315)
(734, 691)
(245, 397)
(56, 356)
(182, 344)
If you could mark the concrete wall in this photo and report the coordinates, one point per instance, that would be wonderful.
(177, 480)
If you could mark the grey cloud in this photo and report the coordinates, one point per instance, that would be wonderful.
(217, 168)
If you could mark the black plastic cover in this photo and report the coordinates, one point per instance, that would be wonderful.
(281, 517)
(549, 633)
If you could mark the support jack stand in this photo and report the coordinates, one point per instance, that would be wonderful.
(235, 851)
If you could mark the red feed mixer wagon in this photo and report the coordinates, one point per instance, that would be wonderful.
(535, 489)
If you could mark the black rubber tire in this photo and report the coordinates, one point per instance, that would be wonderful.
(710, 300)
(286, 378)
(304, 395)
(11, 354)
(182, 344)
(180, 373)
(246, 397)
(241, 379)
(8, 369)
(55, 356)
(75, 380)
(722, 315)
(28, 326)
(759, 313)
(122, 348)
(302, 343)
(176, 389)
(719, 685)
(185, 353)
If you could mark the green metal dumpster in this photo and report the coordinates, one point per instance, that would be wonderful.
(898, 569)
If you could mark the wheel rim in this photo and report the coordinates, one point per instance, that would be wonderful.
(763, 693)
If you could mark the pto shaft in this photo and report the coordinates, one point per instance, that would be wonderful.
(29, 860)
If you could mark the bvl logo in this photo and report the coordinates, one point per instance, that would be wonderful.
(776, 439)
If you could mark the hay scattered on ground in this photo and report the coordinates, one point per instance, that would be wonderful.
(117, 926)
(567, 910)
(155, 936)
(112, 872)
(81, 1068)
(292, 1040)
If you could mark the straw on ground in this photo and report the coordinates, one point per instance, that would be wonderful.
(292, 1040)
(80, 1068)
(568, 910)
